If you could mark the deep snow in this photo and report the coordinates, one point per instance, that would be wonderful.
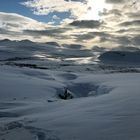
(106, 97)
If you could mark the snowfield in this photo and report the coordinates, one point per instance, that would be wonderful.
(105, 102)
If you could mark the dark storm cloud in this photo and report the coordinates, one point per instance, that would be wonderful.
(3, 31)
(91, 35)
(8, 32)
(130, 30)
(115, 12)
(133, 15)
(130, 23)
(53, 33)
(126, 40)
(73, 46)
(84, 1)
(47, 32)
(115, 1)
(136, 40)
(86, 23)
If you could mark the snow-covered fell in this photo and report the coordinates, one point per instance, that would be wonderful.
(121, 57)
(51, 92)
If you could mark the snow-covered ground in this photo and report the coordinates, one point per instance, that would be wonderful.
(105, 103)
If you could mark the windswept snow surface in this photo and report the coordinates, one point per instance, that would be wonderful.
(106, 103)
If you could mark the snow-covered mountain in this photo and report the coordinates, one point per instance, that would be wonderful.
(53, 44)
(12, 43)
(121, 57)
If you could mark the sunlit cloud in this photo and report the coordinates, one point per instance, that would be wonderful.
(44, 7)
(95, 7)
(79, 9)
(103, 23)
(17, 22)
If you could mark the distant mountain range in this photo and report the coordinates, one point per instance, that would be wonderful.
(7, 42)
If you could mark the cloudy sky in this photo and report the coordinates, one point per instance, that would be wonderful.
(103, 23)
